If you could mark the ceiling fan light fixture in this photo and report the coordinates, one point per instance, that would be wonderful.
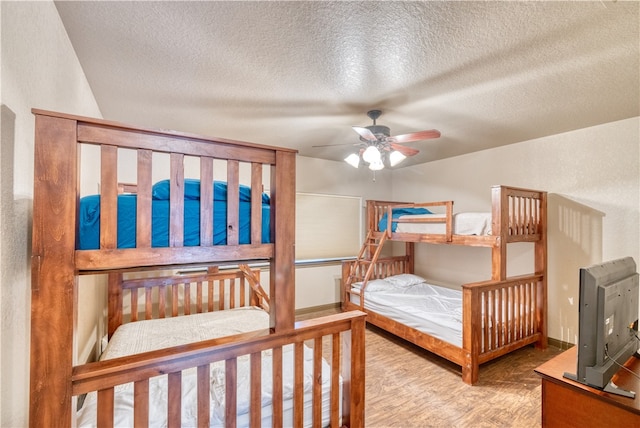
(353, 159)
(371, 155)
(376, 165)
(395, 157)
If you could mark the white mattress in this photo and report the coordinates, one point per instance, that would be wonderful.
(412, 301)
(150, 335)
(467, 223)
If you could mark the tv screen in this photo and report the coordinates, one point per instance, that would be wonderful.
(608, 322)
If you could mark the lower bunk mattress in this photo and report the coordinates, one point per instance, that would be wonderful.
(149, 335)
(411, 301)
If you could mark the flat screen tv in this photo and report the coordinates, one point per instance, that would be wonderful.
(608, 323)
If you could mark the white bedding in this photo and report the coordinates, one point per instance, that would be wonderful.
(467, 223)
(150, 335)
(412, 301)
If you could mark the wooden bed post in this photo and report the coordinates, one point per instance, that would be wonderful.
(282, 271)
(53, 280)
(500, 228)
(541, 267)
(471, 335)
(114, 302)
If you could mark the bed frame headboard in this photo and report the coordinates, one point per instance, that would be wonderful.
(56, 262)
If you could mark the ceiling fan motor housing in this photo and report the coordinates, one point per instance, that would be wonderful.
(379, 130)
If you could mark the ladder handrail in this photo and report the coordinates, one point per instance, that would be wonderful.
(369, 241)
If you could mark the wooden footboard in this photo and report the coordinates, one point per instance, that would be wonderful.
(499, 317)
(383, 268)
(182, 294)
(343, 344)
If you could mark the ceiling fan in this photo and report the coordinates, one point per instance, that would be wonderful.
(376, 141)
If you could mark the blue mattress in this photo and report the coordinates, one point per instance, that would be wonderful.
(89, 217)
(396, 213)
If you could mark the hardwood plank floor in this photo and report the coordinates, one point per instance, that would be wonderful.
(409, 387)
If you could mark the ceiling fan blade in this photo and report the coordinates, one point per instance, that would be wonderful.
(365, 134)
(416, 136)
(407, 151)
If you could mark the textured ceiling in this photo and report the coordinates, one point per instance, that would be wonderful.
(299, 74)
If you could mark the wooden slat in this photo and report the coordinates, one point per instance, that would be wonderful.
(206, 203)
(134, 305)
(221, 294)
(210, 284)
(174, 399)
(335, 380)
(317, 382)
(230, 382)
(298, 384)
(256, 203)
(162, 301)
(174, 300)
(141, 403)
(204, 396)
(108, 197)
(148, 304)
(105, 408)
(176, 195)
(186, 306)
(255, 408)
(276, 403)
(233, 200)
(199, 297)
(143, 200)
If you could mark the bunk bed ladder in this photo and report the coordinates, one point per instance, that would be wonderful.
(368, 255)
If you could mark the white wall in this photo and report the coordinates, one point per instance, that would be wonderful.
(39, 69)
(593, 179)
(320, 285)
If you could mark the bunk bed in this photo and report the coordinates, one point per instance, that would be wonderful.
(490, 318)
(58, 381)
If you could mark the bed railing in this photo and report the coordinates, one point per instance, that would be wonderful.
(510, 313)
(152, 297)
(343, 346)
(382, 268)
(519, 215)
(376, 210)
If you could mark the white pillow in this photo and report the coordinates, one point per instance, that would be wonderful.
(374, 285)
(405, 280)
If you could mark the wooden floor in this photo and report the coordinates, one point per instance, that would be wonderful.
(409, 387)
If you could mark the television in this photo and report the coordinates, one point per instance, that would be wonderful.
(608, 323)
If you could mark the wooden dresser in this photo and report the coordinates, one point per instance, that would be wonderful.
(566, 403)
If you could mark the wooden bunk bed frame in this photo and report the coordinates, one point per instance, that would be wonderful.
(500, 315)
(55, 377)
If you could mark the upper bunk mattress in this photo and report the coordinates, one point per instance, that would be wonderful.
(89, 217)
(149, 335)
(410, 300)
(465, 223)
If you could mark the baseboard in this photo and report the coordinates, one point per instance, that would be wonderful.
(556, 343)
(320, 308)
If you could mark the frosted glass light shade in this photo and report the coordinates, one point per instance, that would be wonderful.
(371, 155)
(396, 157)
(353, 160)
(376, 165)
